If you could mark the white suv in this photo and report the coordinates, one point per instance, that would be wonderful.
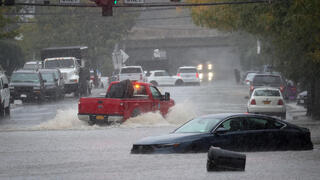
(189, 74)
(4, 96)
(133, 73)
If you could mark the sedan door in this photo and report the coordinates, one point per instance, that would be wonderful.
(230, 134)
(262, 134)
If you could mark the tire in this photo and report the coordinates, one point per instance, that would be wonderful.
(91, 123)
(178, 83)
(2, 111)
(154, 83)
(40, 98)
(210, 165)
(136, 112)
(7, 110)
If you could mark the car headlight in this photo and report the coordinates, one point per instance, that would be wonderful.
(199, 67)
(200, 75)
(209, 66)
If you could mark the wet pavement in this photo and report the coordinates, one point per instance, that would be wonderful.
(48, 142)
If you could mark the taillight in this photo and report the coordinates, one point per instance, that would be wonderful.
(197, 75)
(281, 88)
(251, 88)
(178, 74)
(280, 102)
(253, 102)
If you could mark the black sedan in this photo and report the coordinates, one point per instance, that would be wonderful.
(239, 132)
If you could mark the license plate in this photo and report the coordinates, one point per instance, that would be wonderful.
(266, 102)
(23, 95)
(100, 117)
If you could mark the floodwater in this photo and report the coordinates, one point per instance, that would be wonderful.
(49, 142)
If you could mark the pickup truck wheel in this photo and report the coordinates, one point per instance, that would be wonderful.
(179, 82)
(135, 113)
(91, 123)
(7, 110)
(154, 83)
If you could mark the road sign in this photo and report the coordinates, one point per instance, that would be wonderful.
(69, 1)
(125, 56)
(133, 1)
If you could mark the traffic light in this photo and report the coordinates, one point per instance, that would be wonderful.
(106, 6)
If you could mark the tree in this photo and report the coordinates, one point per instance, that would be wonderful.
(289, 29)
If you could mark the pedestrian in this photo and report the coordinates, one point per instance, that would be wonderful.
(237, 75)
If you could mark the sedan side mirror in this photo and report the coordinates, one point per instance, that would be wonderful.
(221, 130)
(166, 96)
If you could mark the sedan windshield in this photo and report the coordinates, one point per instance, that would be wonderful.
(198, 125)
(25, 77)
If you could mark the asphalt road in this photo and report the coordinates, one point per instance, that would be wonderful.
(48, 142)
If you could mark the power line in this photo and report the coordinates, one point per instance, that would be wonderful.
(148, 4)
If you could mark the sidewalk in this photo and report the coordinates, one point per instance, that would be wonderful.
(297, 115)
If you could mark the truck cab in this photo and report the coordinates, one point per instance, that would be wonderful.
(69, 68)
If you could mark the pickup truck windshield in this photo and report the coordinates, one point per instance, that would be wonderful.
(25, 77)
(64, 63)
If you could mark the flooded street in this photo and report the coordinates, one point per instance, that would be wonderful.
(48, 141)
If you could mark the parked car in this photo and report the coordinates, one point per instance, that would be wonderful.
(244, 75)
(4, 95)
(27, 85)
(267, 101)
(189, 75)
(302, 98)
(133, 73)
(32, 65)
(54, 86)
(268, 80)
(248, 79)
(162, 77)
(239, 132)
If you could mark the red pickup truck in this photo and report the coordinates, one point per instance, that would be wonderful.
(123, 100)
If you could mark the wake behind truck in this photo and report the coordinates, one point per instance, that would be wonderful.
(71, 61)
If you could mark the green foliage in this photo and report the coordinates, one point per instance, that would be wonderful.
(289, 32)
(11, 56)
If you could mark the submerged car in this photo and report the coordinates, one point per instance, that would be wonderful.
(239, 132)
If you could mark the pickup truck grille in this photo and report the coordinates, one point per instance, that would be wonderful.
(65, 76)
(23, 89)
